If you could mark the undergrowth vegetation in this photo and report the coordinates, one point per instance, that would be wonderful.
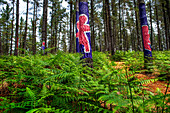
(60, 84)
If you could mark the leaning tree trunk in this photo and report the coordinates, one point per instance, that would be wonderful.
(17, 25)
(84, 32)
(145, 34)
(44, 27)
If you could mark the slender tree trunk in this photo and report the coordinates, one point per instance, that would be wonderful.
(52, 18)
(33, 29)
(25, 34)
(12, 31)
(71, 5)
(16, 33)
(73, 39)
(157, 21)
(0, 42)
(120, 27)
(166, 27)
(151, 23)
(105, 34)
(114, 10)
(92, 26)
(137, 26)
(44, 27)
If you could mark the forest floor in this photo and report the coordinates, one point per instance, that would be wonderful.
(152, 86)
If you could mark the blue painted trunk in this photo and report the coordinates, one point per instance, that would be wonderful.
(84, 30)
(77, 32)
(145, 31)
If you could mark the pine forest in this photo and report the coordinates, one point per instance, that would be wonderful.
(84, 56)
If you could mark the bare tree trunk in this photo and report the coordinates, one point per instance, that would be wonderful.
(157, 21)
(0, 42)
(44, 27)
(137, 26)
(12, 31)
(16, 33)
(120, 27)
(71, 5)
(92, 26)
(166, 27)
(151, 23)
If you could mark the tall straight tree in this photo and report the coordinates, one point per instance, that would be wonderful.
(71, 15)
(44, 27)
(25, 34)
(145, 33)
(84, 32)
(0, 41)
(77, 30)
(16, 32)
(12, 31)
(92, 25)
(151, 22)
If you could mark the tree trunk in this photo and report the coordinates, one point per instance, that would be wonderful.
(12, 31)
(120, 28)
(166, 27)
(0, 42)
(157, 21)
(114, 10)
(105, 34)
(44, 27)
(33, 29)
(92, 26)
(151, 23)
(71, 5)
(16, 33)
(52, 18)
(137, 26)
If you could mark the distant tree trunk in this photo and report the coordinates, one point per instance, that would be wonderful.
(52, 18)
(73, 39)
(166, 27)
(92, 26)
(151, 23)
(33, 29)
(25, 34)
(168, 13)
(120, 28)
(0, 42)
(44, 27)
(71, 10)
(16, 33)
(114, 10)
(12, 31)
(56, 29)
(105, 34)
(137, 26)
(157, 21)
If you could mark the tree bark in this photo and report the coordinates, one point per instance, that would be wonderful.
(157, 21)
(92, 26)
(151, 23)
(137, 26)
(16, 33)
(44, 27)
(71, 5)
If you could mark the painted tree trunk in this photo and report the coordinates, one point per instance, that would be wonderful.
(77, 30)
(84, 31)
(145, 33)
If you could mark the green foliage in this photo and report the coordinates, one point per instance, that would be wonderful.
(60, 84)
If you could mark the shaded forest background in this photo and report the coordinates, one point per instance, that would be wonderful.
(114, 26)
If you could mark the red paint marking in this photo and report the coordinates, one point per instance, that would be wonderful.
(146, 38)
(83, 28)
